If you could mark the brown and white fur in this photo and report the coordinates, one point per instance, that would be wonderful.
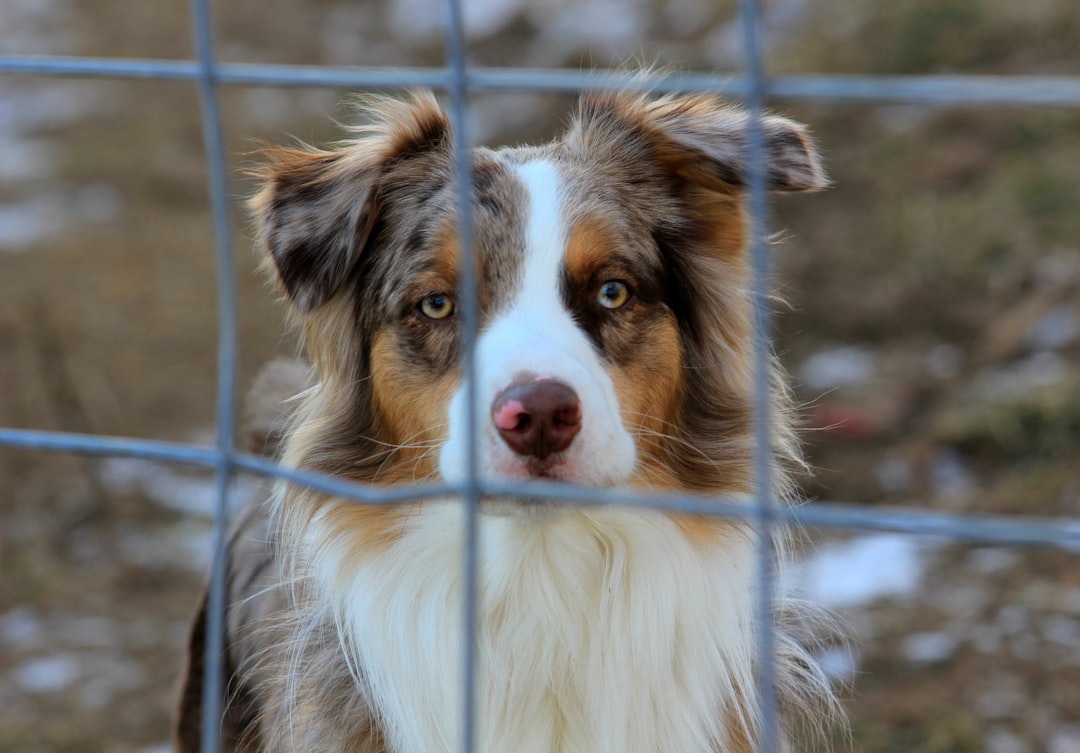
(614, 351)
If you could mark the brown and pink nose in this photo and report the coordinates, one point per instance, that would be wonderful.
(538, 418)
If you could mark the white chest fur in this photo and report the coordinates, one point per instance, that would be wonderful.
(601, 631)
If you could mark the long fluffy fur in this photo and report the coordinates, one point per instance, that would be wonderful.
(600, 629)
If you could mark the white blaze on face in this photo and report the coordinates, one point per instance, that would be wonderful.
(535, 337)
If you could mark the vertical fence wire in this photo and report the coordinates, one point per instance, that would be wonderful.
(457, 79)
(760, 259)
(469, 311)
(217, 178)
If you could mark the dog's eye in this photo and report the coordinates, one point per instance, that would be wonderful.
(613, 294)
(436, 306)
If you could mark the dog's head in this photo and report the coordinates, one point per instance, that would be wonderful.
(613, 302)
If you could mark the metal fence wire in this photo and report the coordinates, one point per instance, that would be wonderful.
(457, 80)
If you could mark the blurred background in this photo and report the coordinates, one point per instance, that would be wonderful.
(932, 329)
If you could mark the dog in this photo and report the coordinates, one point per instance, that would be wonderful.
(613, 351)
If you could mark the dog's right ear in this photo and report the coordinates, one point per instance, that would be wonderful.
(316, 209)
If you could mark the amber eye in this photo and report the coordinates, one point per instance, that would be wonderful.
(613, 294)
(437, 306)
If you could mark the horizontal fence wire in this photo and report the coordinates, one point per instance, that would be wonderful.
(459, 80)
(976, 528)
(1048, 91)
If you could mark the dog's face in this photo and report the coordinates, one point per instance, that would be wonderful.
(613, 324)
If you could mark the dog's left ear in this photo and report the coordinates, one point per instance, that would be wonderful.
(703, 140)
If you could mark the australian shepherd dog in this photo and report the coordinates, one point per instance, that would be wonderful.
(613, 351)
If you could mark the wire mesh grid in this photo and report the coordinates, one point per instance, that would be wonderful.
(457, 79)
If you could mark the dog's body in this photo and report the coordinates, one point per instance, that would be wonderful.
(613, 351)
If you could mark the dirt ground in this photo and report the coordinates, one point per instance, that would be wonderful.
(932, 330)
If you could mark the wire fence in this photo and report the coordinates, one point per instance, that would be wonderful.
(458, 80)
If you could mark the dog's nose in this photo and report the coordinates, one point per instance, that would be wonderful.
(538, 418)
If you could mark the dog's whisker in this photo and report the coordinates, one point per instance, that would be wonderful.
(661, 440)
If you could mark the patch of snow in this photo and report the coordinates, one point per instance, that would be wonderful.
(943, 361)
(782, 20)
(893, 474)
(1070, 602)
(418, 19)
(91, 632)
(108, 676)
(1064, 631)
(97, 203)
(1003, 740)
(1013, 619)
(964, 601)
(841, 366)
(20, 628)
(45, 213)
(167, 486)
(724, 45)
(1058, 270)
(1025, 647)
(27, 222)
(47, 674)
(489, 116)
(1042, 369)
(992, 560)
(986, 639)
(686, 16)
(929, 647)
(23, 159)
(184, 545)
(1002, 699)
(949, 476)
(862, 570)
(26, 25)
(484, 18)
(1065, 739)
(608, 21)
(267, 105)
(26, 110)
(839, 663)
(1057, 328)
(900, 119)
